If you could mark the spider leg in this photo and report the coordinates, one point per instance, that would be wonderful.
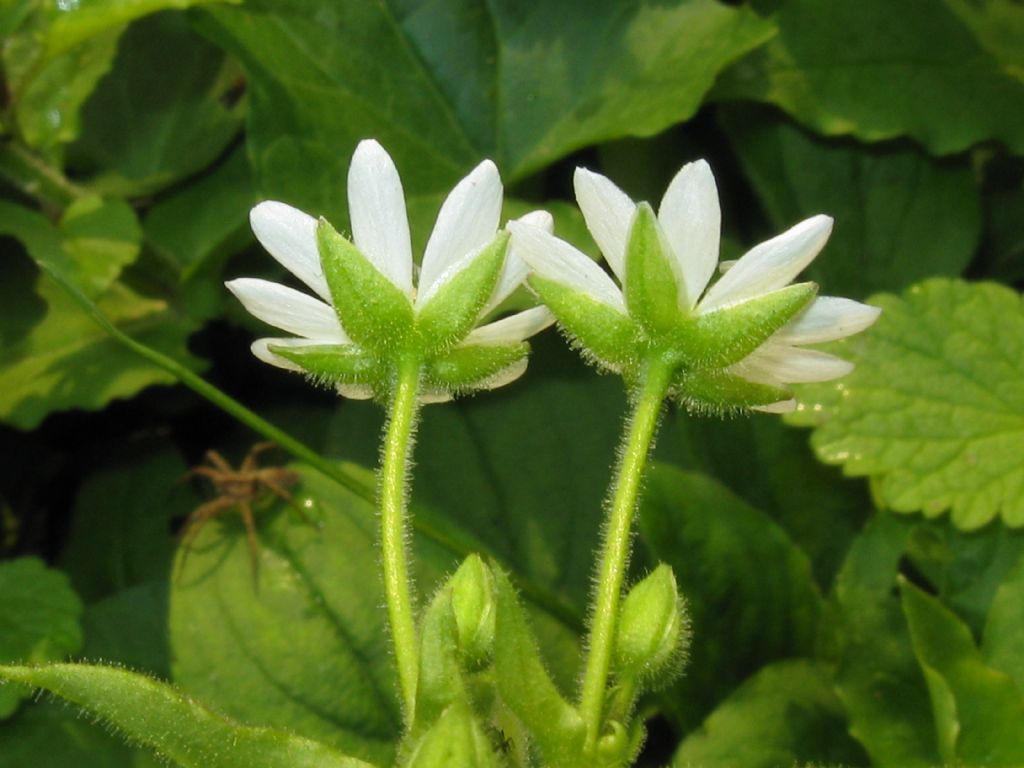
(280, 491)
(218, 461)
(200, 516)
(249, 462)
(250, 535)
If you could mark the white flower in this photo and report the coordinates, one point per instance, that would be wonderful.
(467, 223)
(689, 224)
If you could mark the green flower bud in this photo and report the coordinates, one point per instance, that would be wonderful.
(653, 633)
(473, 605)
(456, 739)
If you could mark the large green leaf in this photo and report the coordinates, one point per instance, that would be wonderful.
(946, 73)
(786, 714)
(446, 84)
(1003, 644)
(899, 216)
(934, 411)
(878, 679)
(40, 620)
(977, 709)
(725, 552)
(163, 112)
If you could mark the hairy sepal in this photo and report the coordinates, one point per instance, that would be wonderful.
(374, 312)
(469, 368)
(726, 336)
(334, 364)
(176, 727)
(651, 289)
(716, 392)
(452, 312)
(603, 334)
(455, 739)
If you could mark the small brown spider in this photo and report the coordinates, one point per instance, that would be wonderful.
(240, 489)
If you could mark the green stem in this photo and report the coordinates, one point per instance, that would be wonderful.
(615, 552)
(398, 441)
(33, 176)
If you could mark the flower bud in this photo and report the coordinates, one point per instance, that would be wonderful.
(653, 633)
(473, 605)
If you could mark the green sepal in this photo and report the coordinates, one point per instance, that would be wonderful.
(453, 310)
(375, 313)
(524, 684)
(718, 392)
(602, 334)
(650, 287)
(176, 727)
(455, 739)
(334, 364)
(726, 336)
(464, 369)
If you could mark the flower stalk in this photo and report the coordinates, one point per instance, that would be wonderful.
(636, 447)
(398, 443)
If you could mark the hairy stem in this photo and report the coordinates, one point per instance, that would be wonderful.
(636, 446)
(398, 441)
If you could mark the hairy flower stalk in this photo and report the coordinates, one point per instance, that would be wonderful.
(732, 344)
(377, 329)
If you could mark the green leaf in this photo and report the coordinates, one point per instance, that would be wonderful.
(651, 289)
(523, 86)
(524, 684)
(786, 714)
(306, 648)
(1003, 644)
(934, 411)
(164, 112)
(977, 709)
(375, 313)
(878, 678)
(724, 551)
(40, 620)
(455, 308)
(942, 73)
(899, 216)
(175, 726)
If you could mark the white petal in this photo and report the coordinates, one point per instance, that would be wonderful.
(557, 260)
(770, 265)
(288, 309)
(508, 330)
(828, 318)
(260, 348)
(425, 295)
(467, 221)
(783, 406)
(790, 365)
(608, 212)
(515, 270)
(692, 222)
(376, 204)
(289, 235)
(354, 391)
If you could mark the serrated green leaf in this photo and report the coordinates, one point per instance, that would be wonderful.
(463, 369)
(934, 411)
(374, 312)
(175, 726)
(977, 709)
(164, 111)
(785, 714)
(565, 80)
(723, 550)
(651, 289)
(40, 620)
(877, 677)
(454, 309)
(938, 72)
(899, 216)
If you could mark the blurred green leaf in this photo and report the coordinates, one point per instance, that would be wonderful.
(725, 552)
(934, 411)
(899, 216)
(878, 678)
(1003, 644)
(40, 619)
(164, 112)
(175, 726)
(785, 714)
(977, 710)
(948, 74)
(446, 84)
